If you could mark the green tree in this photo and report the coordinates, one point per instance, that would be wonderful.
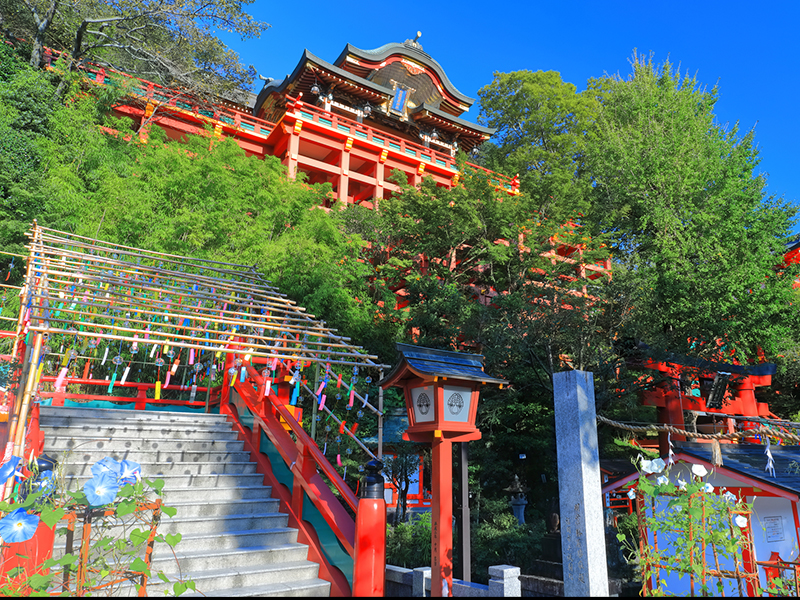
(168, 41)
(696, 242)
(541, 125)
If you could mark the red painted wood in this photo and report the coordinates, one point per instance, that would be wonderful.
(442, 518)
(369, 571)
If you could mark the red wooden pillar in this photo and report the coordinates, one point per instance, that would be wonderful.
(369, 568)
(442, 517)
(344, 175)
(672, 413)
(293, 149)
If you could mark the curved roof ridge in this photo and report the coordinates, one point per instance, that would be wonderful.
(387, 50)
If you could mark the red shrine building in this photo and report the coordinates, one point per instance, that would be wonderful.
(352, 122)
(349, 123)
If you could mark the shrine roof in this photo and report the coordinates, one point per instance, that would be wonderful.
(280, 87)
(429, 362)
(412, 51)
(445, 118)
(750, 460)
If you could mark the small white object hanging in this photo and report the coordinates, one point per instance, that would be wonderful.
(671, 457)
(770, 468)
(125, 374)
(105, 356)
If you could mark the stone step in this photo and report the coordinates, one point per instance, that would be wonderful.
(210, 506)
(233, 559)
(239, 492)
(63, 442)
(189, 527)
(152, 456)
(191, 431)
(156, 469)
(310, 588)
(223, 525)
(50, 413)
(233, 540)
(180, 481)
(211, 580)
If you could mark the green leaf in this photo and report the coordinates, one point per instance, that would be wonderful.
(170, 511)
(138, 537)
(52, 516)
(126, 507)
(163, 577)
(39, 582)
(173, 539)
(179, 588)
(139, 566)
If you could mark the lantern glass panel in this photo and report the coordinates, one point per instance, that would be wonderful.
(457, 403)
(422, 400)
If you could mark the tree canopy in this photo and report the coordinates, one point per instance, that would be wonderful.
(541, 124)
(696, 242)
(172, 42)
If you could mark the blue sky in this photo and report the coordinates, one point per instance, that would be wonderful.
(749, 49)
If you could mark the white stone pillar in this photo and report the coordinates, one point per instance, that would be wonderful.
(583, 540)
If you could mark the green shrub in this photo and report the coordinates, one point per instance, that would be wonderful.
(408, 545)
(503, 541)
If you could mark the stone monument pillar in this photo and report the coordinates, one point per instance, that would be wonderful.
(582, 527)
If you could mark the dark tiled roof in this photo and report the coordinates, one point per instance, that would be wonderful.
(448, 117)
(280, 86)
(443, 363)
(385, 51)
(750, 460)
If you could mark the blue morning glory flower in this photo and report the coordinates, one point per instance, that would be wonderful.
(130, 472)
(101, 489)
(106, 465)
(18, 526)
(7, 470)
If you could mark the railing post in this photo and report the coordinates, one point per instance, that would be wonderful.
(369, 569)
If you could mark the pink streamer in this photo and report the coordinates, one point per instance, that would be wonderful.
(60, 378)
(166, 382)
(352, 392)
(267, 386)
(322, 402)
(321, 386)
(339, 459)
(191, 356)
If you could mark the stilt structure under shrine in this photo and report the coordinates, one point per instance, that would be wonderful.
(116, 326)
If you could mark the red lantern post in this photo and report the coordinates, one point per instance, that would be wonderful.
(441, 390)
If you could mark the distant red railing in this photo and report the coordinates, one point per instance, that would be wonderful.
(175, 100)
(358, 130)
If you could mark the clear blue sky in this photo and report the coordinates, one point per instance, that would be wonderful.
(750, 49)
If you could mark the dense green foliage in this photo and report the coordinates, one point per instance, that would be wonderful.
(695, 240)
(541, 123)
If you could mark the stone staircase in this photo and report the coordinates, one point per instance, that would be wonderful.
(235, 542)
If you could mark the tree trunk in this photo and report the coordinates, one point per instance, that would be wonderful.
(42, 24)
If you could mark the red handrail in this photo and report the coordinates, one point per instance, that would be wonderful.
(151, 88)
(383, 136)
(305, 439)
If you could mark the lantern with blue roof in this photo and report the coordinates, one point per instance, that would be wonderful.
(441, 390)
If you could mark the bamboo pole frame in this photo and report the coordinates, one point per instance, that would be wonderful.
(90, 289)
